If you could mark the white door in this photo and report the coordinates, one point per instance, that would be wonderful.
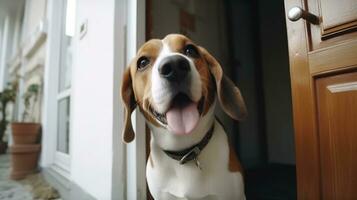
(136, 150)
(58, 79)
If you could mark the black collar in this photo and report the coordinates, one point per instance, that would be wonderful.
(192, 152)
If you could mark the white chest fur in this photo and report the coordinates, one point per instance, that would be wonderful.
(167, 179)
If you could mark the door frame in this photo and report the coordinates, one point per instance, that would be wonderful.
(304, 107)
(136, 150)
(57, 161)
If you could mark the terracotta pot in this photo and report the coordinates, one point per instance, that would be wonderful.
(24, 159)
(3, 147)
(25, 133)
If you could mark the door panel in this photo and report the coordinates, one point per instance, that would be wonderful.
(333, 20)
(332, 58)
(338, 22)
(337, 113)
(323, 70)
(307, 164)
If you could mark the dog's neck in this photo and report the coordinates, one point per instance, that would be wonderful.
(171, 142)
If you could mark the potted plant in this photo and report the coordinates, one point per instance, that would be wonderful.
(6, 96)
(27, 132)
(26, 148)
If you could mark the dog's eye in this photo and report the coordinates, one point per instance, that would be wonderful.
(142, 63)
(191, 51)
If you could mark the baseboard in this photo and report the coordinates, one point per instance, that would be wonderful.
(67, 189)
(78, 193)
(58, 181)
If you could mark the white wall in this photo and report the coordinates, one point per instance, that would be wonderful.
(9, 12)
(93, 100)
(32, 64)
(7, 47)
(5, 51)
(36, 10)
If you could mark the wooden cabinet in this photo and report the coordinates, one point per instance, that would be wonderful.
(323, 68)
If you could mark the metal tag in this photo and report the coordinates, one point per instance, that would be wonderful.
(198, 164)
(191, 155)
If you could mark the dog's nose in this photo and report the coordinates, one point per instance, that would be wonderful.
(174, 68)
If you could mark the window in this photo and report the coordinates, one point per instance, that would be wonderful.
(64, 82)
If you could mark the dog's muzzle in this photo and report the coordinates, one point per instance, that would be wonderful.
(174, 68)
(182, 113)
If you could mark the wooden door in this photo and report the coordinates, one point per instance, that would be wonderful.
(323, 69)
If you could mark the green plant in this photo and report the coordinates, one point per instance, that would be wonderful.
(9, 95)
(32, 91)
(6, 96)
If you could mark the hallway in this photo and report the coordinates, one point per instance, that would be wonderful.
(33, 187)
(11, 190)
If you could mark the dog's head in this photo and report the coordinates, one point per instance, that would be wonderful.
(175, 82)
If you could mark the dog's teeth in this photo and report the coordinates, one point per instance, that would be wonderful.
(158, 116)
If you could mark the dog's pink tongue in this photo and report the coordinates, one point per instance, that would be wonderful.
(182, 120)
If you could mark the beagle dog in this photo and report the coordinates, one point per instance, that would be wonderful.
(175, 84)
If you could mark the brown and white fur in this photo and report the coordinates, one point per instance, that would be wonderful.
(204, 84)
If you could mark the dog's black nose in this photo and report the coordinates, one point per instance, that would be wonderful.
(174, 68)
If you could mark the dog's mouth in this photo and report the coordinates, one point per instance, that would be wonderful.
(182, 116)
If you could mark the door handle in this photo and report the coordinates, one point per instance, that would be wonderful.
(296, 13)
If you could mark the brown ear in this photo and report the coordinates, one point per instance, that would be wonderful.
(229, 96)
(127, 95)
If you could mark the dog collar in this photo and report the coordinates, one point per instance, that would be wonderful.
(192, 152)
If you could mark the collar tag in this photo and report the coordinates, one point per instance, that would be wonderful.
(191, 155)
(192, 152)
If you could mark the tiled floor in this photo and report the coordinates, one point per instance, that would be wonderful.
(11, 190)
(33, 187)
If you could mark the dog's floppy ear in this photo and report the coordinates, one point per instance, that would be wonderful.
(127, 95)
(229, 96)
